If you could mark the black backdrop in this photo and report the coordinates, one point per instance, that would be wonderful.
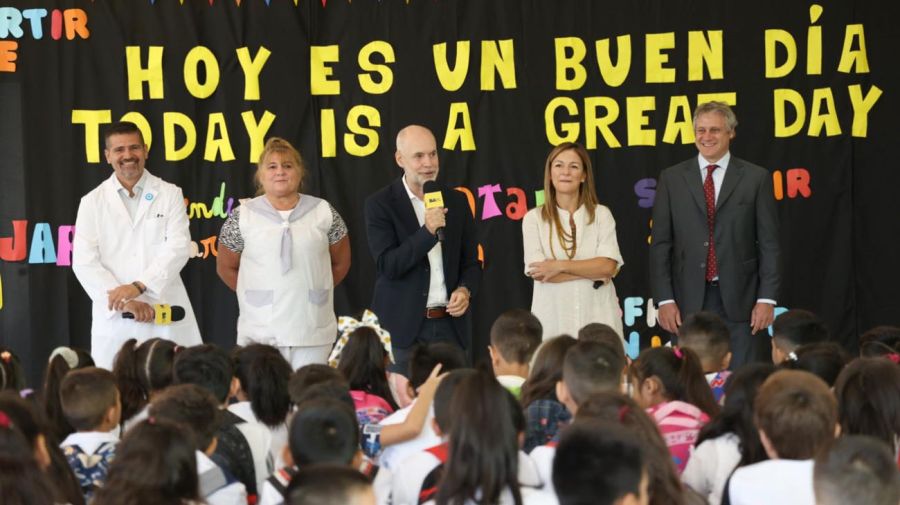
(839, 230)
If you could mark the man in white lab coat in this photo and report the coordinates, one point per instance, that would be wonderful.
(131, 242)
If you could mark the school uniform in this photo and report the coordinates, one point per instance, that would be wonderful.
(415, 480)
(273, 439)
(773, 482)
(542, 456)
(89, 454)
(710, 465)
(393, 455)
(217, 486)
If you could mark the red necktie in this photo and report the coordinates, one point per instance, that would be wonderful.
(709, 188)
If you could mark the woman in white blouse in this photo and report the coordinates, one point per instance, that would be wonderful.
(571, 250)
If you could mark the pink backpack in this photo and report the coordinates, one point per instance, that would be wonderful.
(679, 423)
(370, 409)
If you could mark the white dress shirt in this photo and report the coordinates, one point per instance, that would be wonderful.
(437, 286)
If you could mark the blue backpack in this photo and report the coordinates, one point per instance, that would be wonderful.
(90, 469)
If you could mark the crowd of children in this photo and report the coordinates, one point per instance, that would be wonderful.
(551, 420)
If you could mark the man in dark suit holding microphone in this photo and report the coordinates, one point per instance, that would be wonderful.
(714, 242)
(425, 252)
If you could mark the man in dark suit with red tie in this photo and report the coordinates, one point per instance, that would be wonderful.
(714, 242)
(423, 285)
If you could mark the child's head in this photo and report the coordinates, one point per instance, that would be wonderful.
(856, 469)
(794, 328)
(12, 376)
(21, 480)
(823, 359)
(425, 357)
(142, 370)
(310, 375)
(90, 400)
(736, 415)
(546, 370)
(443, 396)
(796, 415)
(194, 408)
(868, 397)
(662, 374)
(613, 407)
(600, 333)
(515, 336)
(363, 361)
(263, 374)
(329, 485)
(26, 417)
(599, 462)
(62, 360)
(207, 366)
(707, 335)
(155, 458)
(879, 341)
(336, 389)
(484, 443)
(323, 430)
(590, 367)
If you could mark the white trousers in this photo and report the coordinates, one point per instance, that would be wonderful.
(299, 357)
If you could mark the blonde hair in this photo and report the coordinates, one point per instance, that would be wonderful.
(281, 146)
(587, 196)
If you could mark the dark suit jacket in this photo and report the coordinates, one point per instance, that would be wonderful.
(400, 249)
(746, 238)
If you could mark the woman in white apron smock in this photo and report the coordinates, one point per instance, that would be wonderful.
(283, 253)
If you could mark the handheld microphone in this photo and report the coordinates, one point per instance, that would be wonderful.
(165, 314)
(434, 199)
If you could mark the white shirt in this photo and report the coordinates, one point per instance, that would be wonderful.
(268, 495)
(89, 441)
(773, 482)
(530, 496)
(409, 476)
(542, 456)
(142, 415)
(512, 383)
(710, 465)
(392, 455)
(718, 174)
(437, 286)
(132, 201)
(259, 438)
(565, 307)
(232, 494)
(381, 485)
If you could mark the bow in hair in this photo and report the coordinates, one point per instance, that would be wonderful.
(347, 325)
